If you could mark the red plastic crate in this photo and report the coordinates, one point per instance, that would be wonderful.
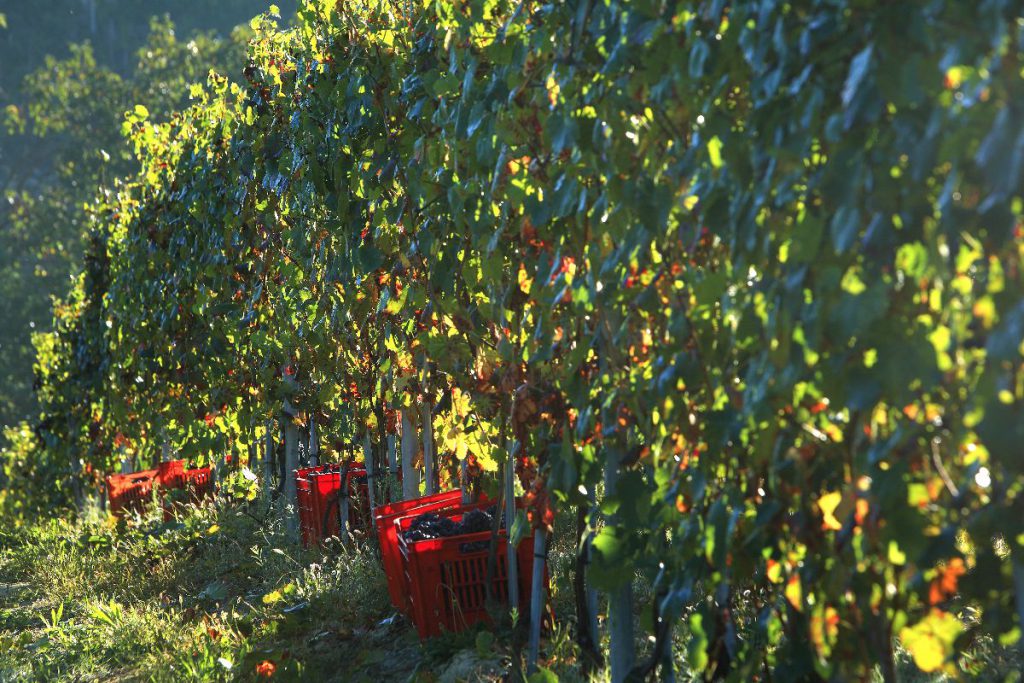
(447, 583)
(129, 492)
(387, 537)
(199, 482)
(317, 493)
(310, 508)
(304, 503)
(171, 474)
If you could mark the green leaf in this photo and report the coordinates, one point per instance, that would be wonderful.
(543, 675)
(214, 591)
(1002, 429)
(697, 647)
(858, 70)
(698, 57)
(610, 566)
(844, 228)
(563, 131)
(520, 527)
(446, 84)
(484, 643)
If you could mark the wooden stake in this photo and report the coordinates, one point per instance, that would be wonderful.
(343, 504)
(76, 481)
(428, 448)
(314, 444)
(268, 457)
(464, 481)
(537, 594)
(392, 454)
(595, 635)
(510, 516)
(410, 477)
(291, 462)
(620, 602)
(371, 474)
(1018, 584)
(668, 666)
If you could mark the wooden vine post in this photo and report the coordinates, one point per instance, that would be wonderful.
(371, 473)
(392, 453)
(428, 448)
(510, 516)
(595, 635)
(344, 502)
(464, 480)
(268, 458)
(620, 601)
(126, 461)
(165, 449)
(291, 463)
(314, 444)
(76, 481)
(410, 478)
(537, 595)
(1018, 584)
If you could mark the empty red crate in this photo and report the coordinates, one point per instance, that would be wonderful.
(171, 474)
(199, 482)
(317, 491)
(387, 537)
(447, 577)
(131, 492)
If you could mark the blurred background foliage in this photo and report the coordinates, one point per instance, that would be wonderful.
(69, 70)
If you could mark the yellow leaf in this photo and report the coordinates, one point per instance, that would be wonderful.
(824, 629)
(715, 151)
(525, 281)
(985, 310)
(795, 593)
(917, 495)
(272, 597)
(553, 89)
(896, 556)
(930, 641)
(213, 529)
(955, 76)
(828, 504)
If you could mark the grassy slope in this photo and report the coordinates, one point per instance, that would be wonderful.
(209, 597)
(218, 593)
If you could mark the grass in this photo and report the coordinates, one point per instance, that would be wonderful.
(223, 594)
(215, 595)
